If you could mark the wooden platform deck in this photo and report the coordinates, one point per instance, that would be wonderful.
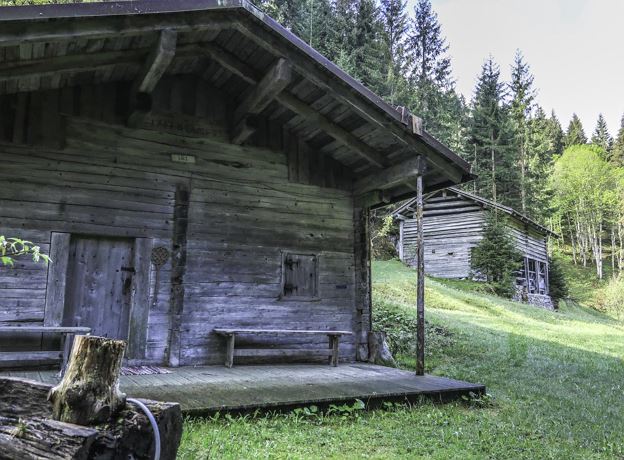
(208, 389)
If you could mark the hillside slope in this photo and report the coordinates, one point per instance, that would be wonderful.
(555, 384)
(557, 375)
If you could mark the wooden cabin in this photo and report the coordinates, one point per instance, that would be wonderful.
(192, 166)
(453, 224)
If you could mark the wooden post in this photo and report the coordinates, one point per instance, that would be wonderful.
(334, 340)
(178, 269)
(89, 391)
(229, 354)
(420, 282)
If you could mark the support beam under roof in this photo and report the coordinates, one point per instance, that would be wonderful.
(272, 84)
(392, 176)
(297, 106)
(157, 62)
(423, 144)
(150, 74)
(341, 135)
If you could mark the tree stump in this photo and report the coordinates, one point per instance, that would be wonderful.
(378, 350)
(89, 391)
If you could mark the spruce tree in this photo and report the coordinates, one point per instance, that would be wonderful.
(575, 135)
(522, 97)
(495, 258)
(490, 138)
(555, 134)
(428, 48)
(395, 26)
(557, 284)
(617, 153)
(343, 42)
(286, 12)
(433, 96)
(368, 50)
(601, 136)
(314, 24)
(541, 150)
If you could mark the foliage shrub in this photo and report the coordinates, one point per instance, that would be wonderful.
(495, 259)
(400, 327)
(13, 248)
(384, 236)
(611, 298)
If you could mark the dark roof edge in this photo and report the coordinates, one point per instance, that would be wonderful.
(490, 204)
(132, 7)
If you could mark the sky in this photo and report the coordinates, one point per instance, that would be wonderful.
(575, 49)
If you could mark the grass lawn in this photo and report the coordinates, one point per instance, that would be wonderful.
(555, 383)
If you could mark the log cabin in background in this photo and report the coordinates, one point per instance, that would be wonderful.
(194, 170)
(454, 222)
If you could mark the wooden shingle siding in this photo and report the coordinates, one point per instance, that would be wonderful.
(453, 225)
(449, 239)
(87, 173)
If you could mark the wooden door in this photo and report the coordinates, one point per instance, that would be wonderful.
(99, 285)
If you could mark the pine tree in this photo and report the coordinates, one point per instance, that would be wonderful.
(522, 96)
(490, 137)
(575, 135)
(601, 136)
(617, 153)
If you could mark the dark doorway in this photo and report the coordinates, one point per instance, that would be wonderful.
(99, 285)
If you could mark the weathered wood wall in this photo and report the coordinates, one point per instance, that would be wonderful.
(69, 164)
(452, 227)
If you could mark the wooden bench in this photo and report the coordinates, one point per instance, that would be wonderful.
(67, 334)
(230, 336)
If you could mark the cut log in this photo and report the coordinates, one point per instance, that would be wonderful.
(89, 391)
(36, 439)
(378, 350)
(24, 398)
(129, 435)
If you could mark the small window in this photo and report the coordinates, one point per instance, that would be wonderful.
(300, 276)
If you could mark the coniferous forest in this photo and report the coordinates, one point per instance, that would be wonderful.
(567, 179)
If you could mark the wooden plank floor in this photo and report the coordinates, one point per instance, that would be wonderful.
(207, 389)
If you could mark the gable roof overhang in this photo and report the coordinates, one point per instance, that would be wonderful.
(405, 209)
(232, 45)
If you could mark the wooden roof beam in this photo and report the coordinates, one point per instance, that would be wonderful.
(276, 79)
(341, 135)
(81, 62)
(228, 61)
(152, 71)
(392, 176)
(60, 30)
(157, 63)
(422, 143)
(70, 63)
(246, 73)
